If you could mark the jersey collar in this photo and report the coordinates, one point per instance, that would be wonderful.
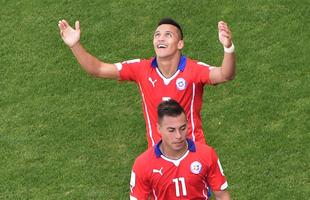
(181, 66)
(191, 147)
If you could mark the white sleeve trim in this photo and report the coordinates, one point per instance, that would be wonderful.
(133, 198)
(203, 64)
(224, 186)
(119, 66)
(133, 179)
(220, 166)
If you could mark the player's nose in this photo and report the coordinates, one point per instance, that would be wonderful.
(161, 37)
(178, 134)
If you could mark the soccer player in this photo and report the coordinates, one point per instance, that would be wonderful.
(176, 167)
(168, 75)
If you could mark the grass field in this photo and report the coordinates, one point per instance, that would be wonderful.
(66, 135)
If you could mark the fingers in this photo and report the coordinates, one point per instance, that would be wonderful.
(222, 26)
(77, 25)
(63, 24)
(225, 34)
(224, 29)
(60, 25)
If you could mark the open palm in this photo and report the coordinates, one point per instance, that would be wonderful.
(69, 35)
(224, 34)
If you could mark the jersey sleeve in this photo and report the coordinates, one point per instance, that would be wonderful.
(202, 72)
(129, 70)
(215, 177)
(139, 185)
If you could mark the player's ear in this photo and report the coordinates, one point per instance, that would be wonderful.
(180, 44)
(158, 128)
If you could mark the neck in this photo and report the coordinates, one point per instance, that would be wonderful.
(168, 66)
(173, 154)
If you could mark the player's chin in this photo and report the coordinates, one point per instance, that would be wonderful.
(179, 145)
(161, 53)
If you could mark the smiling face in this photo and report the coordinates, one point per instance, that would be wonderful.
(167, 41)
(173, 130)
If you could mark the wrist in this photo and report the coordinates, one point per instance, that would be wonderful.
(75, 44)
(230, 49)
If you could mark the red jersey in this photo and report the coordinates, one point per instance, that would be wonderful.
(155, 176)
(185, 86)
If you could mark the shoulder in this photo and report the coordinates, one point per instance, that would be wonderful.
(196, 67)
(145, 61)
(146, 157)
(203, 147)
(136, 61)
(207, 151)
(133, 69)
(197, 63)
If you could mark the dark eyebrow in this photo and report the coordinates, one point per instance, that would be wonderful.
(184, 125)
(165, 32)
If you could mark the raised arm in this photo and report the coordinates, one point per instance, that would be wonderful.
(227, 71)
(92, 65)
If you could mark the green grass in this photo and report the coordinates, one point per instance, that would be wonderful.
(66, 135)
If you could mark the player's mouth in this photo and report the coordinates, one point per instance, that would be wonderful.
(161, 46)
(181, 143)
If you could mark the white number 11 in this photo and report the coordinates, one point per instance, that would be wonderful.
(177, 188)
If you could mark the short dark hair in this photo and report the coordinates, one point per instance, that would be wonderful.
(170, 21)
(169, 108)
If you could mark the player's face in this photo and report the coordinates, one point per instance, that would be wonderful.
(167, 41)
(173, 131)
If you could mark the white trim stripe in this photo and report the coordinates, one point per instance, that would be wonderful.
(192, 113)
(205, 190)
(204, 194)
(175, 162)
(224, 186)
(147, 116)
(203, 64)
(133, 198)
(167, 80)
(119, 66)
(154, 195)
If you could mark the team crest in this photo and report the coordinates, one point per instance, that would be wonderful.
(196, 167)
(181, 84)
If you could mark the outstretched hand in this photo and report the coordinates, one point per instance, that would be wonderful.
(69, 35)
(224, 34)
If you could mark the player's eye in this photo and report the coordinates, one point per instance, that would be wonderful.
(156, 35)
(183, 128)
(171, 130)
(168, 34)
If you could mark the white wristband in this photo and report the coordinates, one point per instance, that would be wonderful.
(231, 49)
